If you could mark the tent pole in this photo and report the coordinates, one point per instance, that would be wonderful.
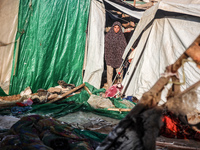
(121, 67)
(134, 3)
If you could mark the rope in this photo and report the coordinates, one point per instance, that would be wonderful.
(6, 44)
(183, 71)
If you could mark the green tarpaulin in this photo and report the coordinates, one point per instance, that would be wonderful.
(2, 93)
(52, 43)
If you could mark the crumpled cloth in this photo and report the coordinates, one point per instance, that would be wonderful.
(37, 132)
(100, 102)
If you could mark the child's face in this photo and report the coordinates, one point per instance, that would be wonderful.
(116, 28)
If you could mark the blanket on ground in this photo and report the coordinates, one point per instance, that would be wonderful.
(39, 132)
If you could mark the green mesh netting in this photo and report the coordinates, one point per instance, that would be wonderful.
(72, 104)
(52, 43)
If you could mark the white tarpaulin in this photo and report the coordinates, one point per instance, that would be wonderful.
(162, 41)
(8, 24)
(95, 50)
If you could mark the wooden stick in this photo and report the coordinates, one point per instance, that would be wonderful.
(67, 93)
(86, 88)
(119, 109)
(10, 103)
(134, 3)
(194, 51)
(172, 145)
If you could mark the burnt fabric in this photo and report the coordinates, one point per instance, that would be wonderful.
(135, 131)
(115, 44)
(174, 128)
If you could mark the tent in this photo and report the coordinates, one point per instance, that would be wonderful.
(163, 33)
(94, 59)
(42, 42)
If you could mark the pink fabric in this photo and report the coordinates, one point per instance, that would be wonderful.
(27, 102)
(114, 90)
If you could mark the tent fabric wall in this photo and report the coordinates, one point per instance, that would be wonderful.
(147, 17)
(171, 6)
(8, 23)
(188, 2)
(192, 7)
(161, 43)
(52, 43)
(95, 50)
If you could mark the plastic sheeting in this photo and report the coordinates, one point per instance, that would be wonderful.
(6, 122)
(8, 24)
(52, 43)
(95, 50)
(162, 42)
